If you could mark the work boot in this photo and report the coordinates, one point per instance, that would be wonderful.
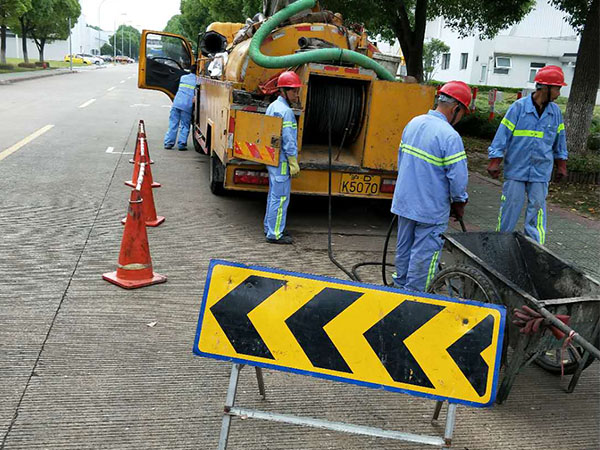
(168, 147)
(284, 240)
(182, 149)
(285, 233)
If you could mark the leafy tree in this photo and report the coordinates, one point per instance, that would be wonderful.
(106, 49)
(22, 25)
(125, 37)
(194, 17)
(232, 10)
(50, 21)
(432, 51)
(9, 9)
(405, 20)
(174, 25)
(584, 17)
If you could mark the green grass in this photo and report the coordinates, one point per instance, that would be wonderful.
(16, 61)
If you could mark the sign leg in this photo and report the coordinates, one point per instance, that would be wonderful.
(436, 411)
(450, 420)
(261, 382)
(229, 403)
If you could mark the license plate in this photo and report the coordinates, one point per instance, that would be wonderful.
(355, 184)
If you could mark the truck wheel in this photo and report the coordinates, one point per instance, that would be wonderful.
(216, 176)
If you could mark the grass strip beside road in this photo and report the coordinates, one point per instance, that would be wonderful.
(53, 65)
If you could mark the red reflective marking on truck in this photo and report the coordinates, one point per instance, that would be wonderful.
(253, 149)
(271, 151)
(237, 150)
(331, 68)
(303, 28)
(349, 70)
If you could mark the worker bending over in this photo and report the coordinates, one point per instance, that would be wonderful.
(431, 186)
(530, 137)
(181, 111)
(280, 183)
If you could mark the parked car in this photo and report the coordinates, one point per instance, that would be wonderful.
(78, 59)
(94, 59)
(124, 59)
(107, 58)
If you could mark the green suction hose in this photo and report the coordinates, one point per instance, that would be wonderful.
(326, 54)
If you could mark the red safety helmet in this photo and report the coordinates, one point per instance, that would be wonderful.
(289, 79)
(550, 75)
(459, 91)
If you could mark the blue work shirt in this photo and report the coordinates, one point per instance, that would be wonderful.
(432, 170)
(185, 93)
(289, 131)
(529, 143)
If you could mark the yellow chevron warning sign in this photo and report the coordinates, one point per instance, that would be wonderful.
(379, 337)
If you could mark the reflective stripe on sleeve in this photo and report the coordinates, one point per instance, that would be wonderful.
(508, 124)
(187, 86)
(431, 159)
(560, 128)
(290, 125)
(529, 133)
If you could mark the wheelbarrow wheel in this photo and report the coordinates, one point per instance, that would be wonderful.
(550, 360)
(465, 282)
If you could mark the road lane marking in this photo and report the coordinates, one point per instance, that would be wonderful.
(138, 104)
(88, 103)
(122, 81)
(27, 140)
(110, 89)
(112, 152)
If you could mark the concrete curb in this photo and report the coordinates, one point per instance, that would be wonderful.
(35, 76)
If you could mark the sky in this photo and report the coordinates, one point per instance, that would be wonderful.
(141, 14)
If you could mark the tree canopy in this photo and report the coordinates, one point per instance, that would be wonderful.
(432, 51)
(10, 11)
(127, 41)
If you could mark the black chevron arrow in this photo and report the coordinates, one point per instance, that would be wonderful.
(232, 311)
(307, 324)
(387, 337)
(466, 353)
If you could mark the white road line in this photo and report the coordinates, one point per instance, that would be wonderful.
(112, 152)
(27, 140)
(110, 89)
(139, 104)
(88, 103)
(165, 106)
(122, 81)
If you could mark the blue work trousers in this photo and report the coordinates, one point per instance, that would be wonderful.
(511, 204)
(178, 119)
(418, 251)
(278, 199)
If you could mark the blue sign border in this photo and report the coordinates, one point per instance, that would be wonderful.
(216, 262)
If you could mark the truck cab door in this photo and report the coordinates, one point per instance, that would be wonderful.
(164, 58)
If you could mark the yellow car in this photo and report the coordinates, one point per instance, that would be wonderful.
(78, 59)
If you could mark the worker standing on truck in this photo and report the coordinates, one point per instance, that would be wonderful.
(280, 183)
(181, 111)
(531, 135)
(431, 186)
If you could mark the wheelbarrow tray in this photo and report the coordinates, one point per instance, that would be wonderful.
(526, 273)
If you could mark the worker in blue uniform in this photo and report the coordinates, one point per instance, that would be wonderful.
(280, 183)
(181, 111)
(431, 186)
(531, 135)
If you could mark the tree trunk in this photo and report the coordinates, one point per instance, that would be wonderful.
(411, 41)
(3, 44)
(40, 44)
(24, 40)
(580, 107)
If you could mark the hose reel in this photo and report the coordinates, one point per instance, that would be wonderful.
(343, 100)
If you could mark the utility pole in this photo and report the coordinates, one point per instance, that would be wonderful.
(70, 48)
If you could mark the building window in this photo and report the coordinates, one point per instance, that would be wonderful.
(464, 59)
(445, 61)
(483, 77)
(502, 64)
(533, 70)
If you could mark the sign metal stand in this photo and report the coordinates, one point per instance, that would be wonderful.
(230, 410)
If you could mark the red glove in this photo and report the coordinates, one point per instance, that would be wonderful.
(457, 209)
(531, 321)
(494, 167)
(561, 169)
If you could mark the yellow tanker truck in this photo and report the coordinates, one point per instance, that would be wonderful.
(352, 111)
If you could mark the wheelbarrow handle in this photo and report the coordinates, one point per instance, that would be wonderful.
(569, 332)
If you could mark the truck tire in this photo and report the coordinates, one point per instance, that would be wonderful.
(216, 176)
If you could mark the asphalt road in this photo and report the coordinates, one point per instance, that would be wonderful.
(80, 367)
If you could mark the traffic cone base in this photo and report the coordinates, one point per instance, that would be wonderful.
(149, 223)
(154, 184)
(113, 277)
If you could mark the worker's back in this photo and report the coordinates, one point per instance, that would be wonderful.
(185, 94)
(432, 170)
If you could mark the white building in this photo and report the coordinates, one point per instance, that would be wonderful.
(84, 40)
(512, 58)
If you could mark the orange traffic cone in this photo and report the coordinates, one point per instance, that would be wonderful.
(141, 156)
(149, 210)
(134, 269)
(141, 132)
